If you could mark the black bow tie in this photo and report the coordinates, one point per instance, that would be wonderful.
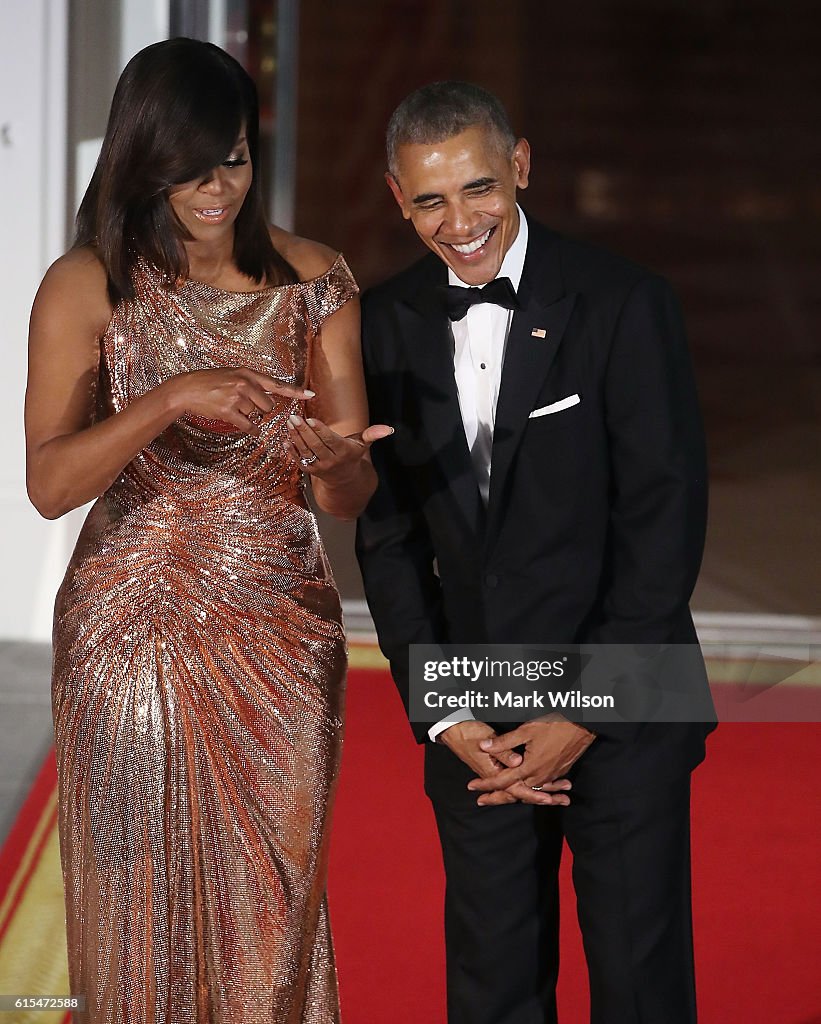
(457, 301)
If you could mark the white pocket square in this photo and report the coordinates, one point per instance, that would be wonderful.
(560, 406)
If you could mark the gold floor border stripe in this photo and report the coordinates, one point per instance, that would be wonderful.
(24, 866)
(33, 955)
(366, 656)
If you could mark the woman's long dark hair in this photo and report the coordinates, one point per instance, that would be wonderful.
(177, 112)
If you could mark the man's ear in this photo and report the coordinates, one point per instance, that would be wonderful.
(396, 191)
(521, 162)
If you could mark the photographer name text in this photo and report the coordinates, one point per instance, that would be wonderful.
(477, 699)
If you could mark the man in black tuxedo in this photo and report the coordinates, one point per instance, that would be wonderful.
(546, 484)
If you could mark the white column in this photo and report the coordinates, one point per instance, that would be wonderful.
(217, 21)
(142, 22)
(283, 192)
(33, 159)
(33, 65)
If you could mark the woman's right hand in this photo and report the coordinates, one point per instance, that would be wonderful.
(235, 396)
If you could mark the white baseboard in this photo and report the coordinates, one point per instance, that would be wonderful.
(712, 627)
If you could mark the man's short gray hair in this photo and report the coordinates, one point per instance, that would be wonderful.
(443, 109)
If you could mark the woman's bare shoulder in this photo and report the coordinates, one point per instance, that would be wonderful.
(80, 266)
(309, 259)
(79, 273)
(78, 281)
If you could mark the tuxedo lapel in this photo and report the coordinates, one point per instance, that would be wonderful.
(535, 336)
(429, 351)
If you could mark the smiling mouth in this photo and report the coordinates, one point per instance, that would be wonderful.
(212, 215)
(468, 248)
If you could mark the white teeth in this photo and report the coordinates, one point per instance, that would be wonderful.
(211, 213)
(470, 247)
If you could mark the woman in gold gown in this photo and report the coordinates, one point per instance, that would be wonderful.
(189, 368)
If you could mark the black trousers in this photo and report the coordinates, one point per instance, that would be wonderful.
(631, 873)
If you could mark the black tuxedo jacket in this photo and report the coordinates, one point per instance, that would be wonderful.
(595, 523)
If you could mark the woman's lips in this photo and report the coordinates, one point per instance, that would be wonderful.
(212, 214)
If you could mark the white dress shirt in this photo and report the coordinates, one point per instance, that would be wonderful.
(479, 350)
(478, 354)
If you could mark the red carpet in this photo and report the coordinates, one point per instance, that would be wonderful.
(757, 875)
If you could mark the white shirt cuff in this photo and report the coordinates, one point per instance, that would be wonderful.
(460, 715)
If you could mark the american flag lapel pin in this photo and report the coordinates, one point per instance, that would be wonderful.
(538, 332)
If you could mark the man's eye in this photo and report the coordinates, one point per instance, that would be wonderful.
(425, 207)
(483, 191)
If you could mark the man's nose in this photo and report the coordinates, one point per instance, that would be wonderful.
(460, 220)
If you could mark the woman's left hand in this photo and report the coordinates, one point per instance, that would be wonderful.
(325, 454)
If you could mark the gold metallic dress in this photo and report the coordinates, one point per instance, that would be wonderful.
(198, 687)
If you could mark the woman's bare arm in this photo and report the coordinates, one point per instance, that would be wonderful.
(343, 478)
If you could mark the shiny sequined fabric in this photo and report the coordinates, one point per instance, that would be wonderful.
(198, 686)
